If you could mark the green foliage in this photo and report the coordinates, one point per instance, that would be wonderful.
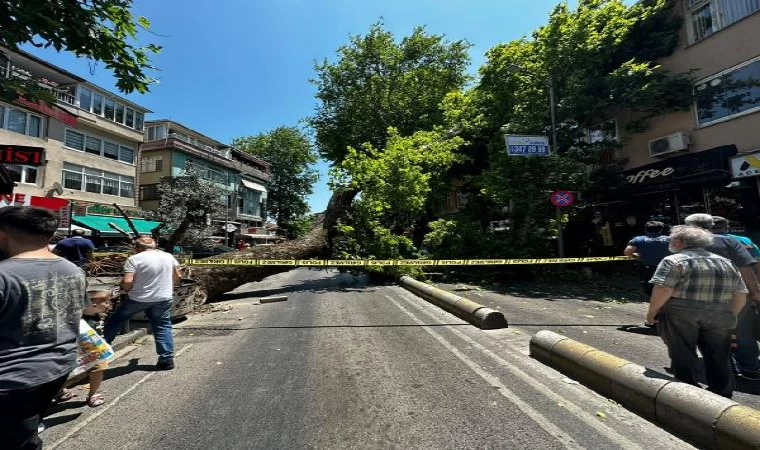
(188, 202)
(378, 83)
(291, 155)
(395, 183)
(101, 30)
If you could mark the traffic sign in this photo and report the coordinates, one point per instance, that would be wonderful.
(562, 198)
(520, 145)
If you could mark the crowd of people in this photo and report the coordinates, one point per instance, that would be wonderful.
(43, 301)
(698, 279)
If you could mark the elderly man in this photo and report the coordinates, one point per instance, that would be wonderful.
(695, 300)
(747, 353)
(149, 279)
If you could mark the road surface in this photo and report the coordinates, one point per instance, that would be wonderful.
(343, 364)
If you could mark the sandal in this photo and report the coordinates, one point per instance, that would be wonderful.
(96, 400)
(63, 395)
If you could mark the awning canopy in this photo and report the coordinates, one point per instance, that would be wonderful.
(100, 223)
(65, 231)
(254, 186)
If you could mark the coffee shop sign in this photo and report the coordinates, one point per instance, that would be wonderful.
(649, 174)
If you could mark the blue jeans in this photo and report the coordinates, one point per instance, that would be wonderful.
(159, 316)
(747, 353)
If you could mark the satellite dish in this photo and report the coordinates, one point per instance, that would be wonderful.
(57, 188)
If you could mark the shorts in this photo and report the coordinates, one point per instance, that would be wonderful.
(93, 322)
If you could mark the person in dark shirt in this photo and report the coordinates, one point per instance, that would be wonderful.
(747, 353)
(77, 249)
(649, 249)
(42, 297)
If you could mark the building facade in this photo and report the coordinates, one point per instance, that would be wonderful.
(171, 148)
(707, 158)
(90, 138)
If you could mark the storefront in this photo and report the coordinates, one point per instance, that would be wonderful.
(672, 189)
(106, 223)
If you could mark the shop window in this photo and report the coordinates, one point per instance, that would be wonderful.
(730, 94)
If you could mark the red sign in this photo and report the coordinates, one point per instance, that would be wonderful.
(22, 154)
(562, 198)
(52, 203)
(52, 111)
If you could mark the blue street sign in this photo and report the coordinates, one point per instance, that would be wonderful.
(519, 145)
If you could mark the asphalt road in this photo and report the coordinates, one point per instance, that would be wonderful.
(595, 313)
(343, 364)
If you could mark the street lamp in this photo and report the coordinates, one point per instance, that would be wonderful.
(549, 82)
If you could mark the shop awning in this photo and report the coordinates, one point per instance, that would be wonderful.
(100, 223)
(254, 186)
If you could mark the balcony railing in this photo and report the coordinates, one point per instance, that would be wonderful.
(208, 148)
(66, 97)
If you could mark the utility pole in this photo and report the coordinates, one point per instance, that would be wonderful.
(560, 228)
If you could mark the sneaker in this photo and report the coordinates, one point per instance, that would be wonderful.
(752, 375)
(40, 428)
(166, 364)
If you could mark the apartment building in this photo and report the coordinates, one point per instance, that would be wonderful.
(88, 142)
(171, 148)
(706, 159)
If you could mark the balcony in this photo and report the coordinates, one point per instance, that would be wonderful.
(176, 142)
(61, 93)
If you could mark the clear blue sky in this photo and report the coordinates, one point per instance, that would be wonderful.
(235, 68)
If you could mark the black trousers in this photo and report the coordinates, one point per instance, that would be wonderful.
(21, 412)
(684, 328)
(645, 274)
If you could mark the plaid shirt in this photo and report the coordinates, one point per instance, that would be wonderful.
(698, 275)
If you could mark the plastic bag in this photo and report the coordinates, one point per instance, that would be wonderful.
(91, 349)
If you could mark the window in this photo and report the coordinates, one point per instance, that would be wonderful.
(97, 181)
(111, 186)
(156, 132)
(109, 108)
(149, 192)
(20, 121)
(705, 17)
(16, 121)
(73, 139)
(22, 174)
(97, 104)
(35, 126)
(126, 154)
(139, 119)
(92, 145)
(97, 146)
(130, 122)
(735, 92)
(119, 113)
(111, 150)
(151, 164)
(85, 98)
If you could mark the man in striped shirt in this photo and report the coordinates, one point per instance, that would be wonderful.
(696, 297)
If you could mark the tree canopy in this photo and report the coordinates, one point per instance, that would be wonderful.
(101, 30)
(291, 155)
(378, 82)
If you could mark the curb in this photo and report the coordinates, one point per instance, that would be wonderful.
(689, 412)
(119, 344)
(475, 313)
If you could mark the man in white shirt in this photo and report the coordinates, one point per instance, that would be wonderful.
(149, 279)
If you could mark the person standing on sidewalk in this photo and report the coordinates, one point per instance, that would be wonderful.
(77, 248)
(149, 279)
(696, 297)
(41, 301)
(720, 227)
(747, 353)
(649, 249)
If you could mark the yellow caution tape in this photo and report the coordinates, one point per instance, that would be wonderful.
(396, 262)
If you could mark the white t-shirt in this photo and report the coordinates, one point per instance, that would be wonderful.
(154, 275)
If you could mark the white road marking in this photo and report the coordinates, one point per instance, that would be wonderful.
(109, 405)
(581, 414)
(537, 417)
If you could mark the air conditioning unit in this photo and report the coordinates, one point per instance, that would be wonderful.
(668, 145)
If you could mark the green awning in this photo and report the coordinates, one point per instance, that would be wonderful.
(100, 223)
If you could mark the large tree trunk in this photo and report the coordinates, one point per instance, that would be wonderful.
(216, 280)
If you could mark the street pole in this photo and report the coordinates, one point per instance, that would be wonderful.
(560, 228)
